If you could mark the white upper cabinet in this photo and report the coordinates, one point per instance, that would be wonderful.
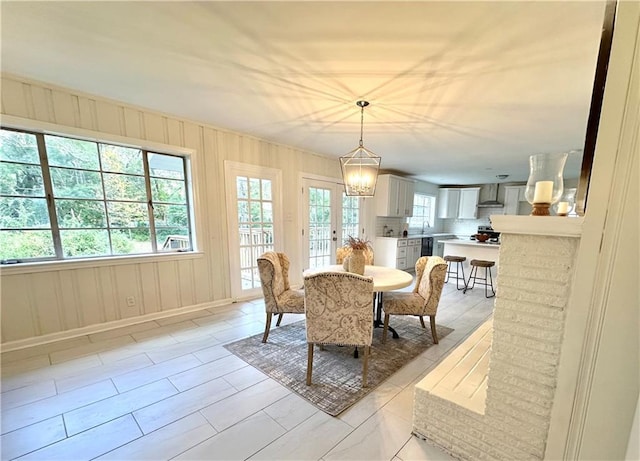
(468, 208)
(448, 202)
(513, 195)
(394, 196)
(460, 203)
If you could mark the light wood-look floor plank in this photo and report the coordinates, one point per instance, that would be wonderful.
(168, 389)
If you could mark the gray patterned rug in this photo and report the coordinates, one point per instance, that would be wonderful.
(337, 376)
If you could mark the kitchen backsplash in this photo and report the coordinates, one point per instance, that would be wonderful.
(467, 227)
(395, 224)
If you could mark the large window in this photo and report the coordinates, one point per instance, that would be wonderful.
(69, 198)
(423, 212)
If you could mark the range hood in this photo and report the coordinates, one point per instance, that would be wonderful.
(492, 203)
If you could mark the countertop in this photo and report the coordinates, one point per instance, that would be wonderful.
(472, 243)
(419, 236)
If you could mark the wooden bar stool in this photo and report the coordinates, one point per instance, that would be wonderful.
(459, 267)
(487, 281)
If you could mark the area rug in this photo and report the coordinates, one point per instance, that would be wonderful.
(337, 376)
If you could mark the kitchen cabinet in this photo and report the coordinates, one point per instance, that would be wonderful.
(459, 203)
(513, 195)
(438, 244)
(448, 202)
(399, 253)
(468, 208)
(394, 196)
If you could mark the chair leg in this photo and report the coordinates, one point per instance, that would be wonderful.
(267, 328)
(385, 328)
(365, 365)
(422, 322)
(432, 320)
(309, 362)
(279, 319)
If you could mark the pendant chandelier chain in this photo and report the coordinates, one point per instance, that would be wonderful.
(361, 123)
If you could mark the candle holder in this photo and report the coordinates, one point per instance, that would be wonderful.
(545, 184)
(566, 205)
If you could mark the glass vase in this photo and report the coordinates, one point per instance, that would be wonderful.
(545, 184)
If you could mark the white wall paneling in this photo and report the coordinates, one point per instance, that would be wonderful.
(48, 300)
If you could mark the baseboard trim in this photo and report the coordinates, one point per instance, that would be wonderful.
(99, 327)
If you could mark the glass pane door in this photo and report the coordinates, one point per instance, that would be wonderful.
(321, 232)
(255, 226)
(330, 218)
(254, 207)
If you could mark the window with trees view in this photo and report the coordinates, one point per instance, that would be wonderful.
(69, 198)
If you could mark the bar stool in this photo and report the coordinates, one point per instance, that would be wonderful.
(487, 281)
(459, 267)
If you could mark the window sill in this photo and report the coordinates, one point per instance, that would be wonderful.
(48, 266)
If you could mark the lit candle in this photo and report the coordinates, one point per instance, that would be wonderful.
(563, 207)
(543, 192)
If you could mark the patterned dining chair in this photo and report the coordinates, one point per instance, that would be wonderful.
(339, 310)
(423, 300)
(279, 298)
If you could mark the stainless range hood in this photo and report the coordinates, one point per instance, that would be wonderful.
(492, 203)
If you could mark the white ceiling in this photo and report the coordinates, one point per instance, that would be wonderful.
(459, 91)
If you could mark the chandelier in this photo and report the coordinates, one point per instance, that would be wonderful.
(360, 166)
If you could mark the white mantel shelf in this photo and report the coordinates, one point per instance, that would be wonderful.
(559, 226)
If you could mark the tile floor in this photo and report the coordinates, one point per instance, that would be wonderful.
(167, 389)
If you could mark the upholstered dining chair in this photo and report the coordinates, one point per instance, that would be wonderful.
(343, 252)
(423, 300)
(279, 298)
(339, 310)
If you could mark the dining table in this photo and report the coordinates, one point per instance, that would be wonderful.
(384, 279)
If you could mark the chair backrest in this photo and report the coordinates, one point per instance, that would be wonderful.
(274, 277)
(339, 308)
(345, 251)
(431, 282)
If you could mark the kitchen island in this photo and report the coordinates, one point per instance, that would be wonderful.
(472, 249)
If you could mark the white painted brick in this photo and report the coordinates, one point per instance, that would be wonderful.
(537, 389)
(551, 313)
(530, 354)
(525, 407)
(508, 337)
(533, 288)
(536, 367)
(529, 319)
(524, 247)
(516, 269)
(526, 356)
(500, 410)
(543, 299)
(550, 285)
(524, 374)
(521, 394)
(518, 329)
(527, 437)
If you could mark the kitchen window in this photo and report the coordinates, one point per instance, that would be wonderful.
(423, 212)
(63, 198)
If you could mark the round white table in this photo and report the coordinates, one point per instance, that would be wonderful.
(384, 279)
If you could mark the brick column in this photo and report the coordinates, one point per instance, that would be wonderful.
(537, 259)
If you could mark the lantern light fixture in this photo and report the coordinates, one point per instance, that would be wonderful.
(360, 166)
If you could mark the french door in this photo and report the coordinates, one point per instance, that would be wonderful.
(330, 217)
(254, 223)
